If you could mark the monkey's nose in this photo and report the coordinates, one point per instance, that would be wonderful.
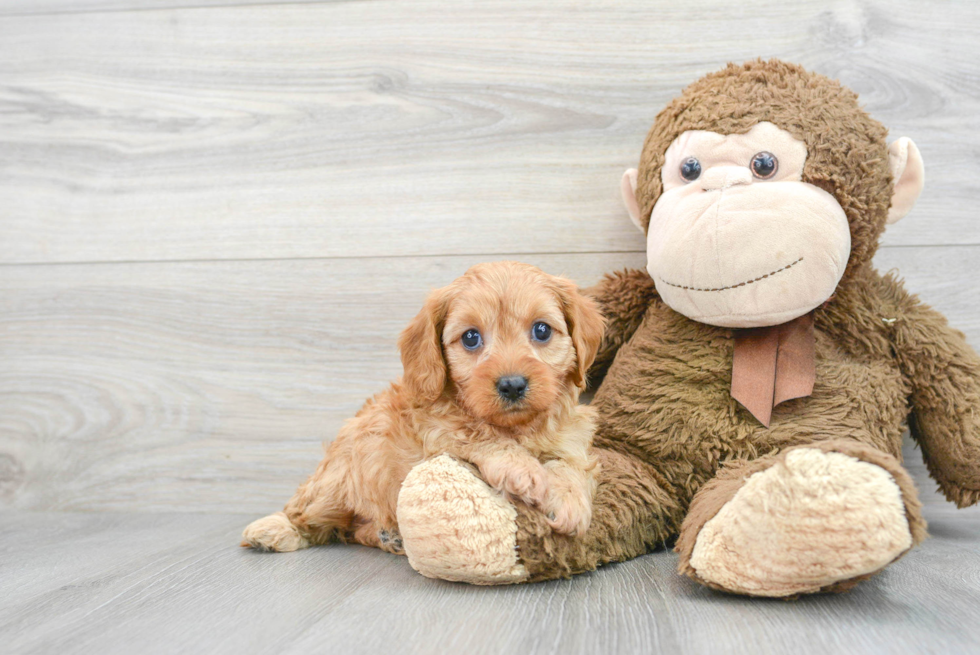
(724, 177)
(512, 387)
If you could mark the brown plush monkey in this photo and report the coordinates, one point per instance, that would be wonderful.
(757, 379)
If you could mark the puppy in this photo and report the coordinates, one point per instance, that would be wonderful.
(493, 367)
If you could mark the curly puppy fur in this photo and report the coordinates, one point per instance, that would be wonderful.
(535, 449)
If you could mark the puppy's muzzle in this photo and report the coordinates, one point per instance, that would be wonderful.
(512, 388)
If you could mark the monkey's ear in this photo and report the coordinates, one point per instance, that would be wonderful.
(908, 175)
(628, 187)
(421, 348)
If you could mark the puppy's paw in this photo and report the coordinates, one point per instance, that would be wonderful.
(526, 481)
(391, 542)
(274, 533)
(568, 513)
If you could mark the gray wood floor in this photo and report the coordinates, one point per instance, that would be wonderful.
(216, 215)
(172, 583)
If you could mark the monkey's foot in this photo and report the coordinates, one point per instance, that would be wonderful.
(812, 521)
(455, 527)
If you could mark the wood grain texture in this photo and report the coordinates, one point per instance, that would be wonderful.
(165, 583)
(205, 386)
(389, 128)
(208, 386)
(48, 7)
(216, 215)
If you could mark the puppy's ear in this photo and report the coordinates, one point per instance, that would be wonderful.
(586, 326)
(421, 348)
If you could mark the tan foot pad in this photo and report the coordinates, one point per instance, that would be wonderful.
(814, 519)
(455, 527)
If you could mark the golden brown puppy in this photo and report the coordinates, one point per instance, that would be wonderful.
(493, 367)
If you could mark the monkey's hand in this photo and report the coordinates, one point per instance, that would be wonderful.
(944, 373)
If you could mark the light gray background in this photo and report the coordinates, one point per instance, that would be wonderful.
(215, 219)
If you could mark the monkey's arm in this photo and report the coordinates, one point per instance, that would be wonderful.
(623, 297)
(944, 373)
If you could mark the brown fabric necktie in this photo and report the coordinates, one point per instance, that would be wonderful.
(772, 365)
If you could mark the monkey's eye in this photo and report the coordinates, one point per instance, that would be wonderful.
(471, 340)
(764, 165)
(541, 332)
(691, 169)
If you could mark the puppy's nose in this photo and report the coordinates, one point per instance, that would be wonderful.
(512, 387)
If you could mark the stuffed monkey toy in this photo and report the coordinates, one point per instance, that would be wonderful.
(755, 381)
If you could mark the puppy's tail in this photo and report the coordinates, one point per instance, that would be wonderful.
(274, 533)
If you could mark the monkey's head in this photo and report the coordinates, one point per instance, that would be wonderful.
(762, 187)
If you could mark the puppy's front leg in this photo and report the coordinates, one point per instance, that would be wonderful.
(511, 469)
(571, 489)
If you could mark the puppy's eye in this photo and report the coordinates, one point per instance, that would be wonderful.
(541, 332)
(471, 340)
(691, 169)
(764, 165)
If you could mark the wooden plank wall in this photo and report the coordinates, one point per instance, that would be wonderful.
(214, 219)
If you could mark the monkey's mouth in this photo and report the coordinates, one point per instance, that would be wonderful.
(734, 286)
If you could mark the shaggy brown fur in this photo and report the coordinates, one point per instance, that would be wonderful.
(667, 422)
(535, 449)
